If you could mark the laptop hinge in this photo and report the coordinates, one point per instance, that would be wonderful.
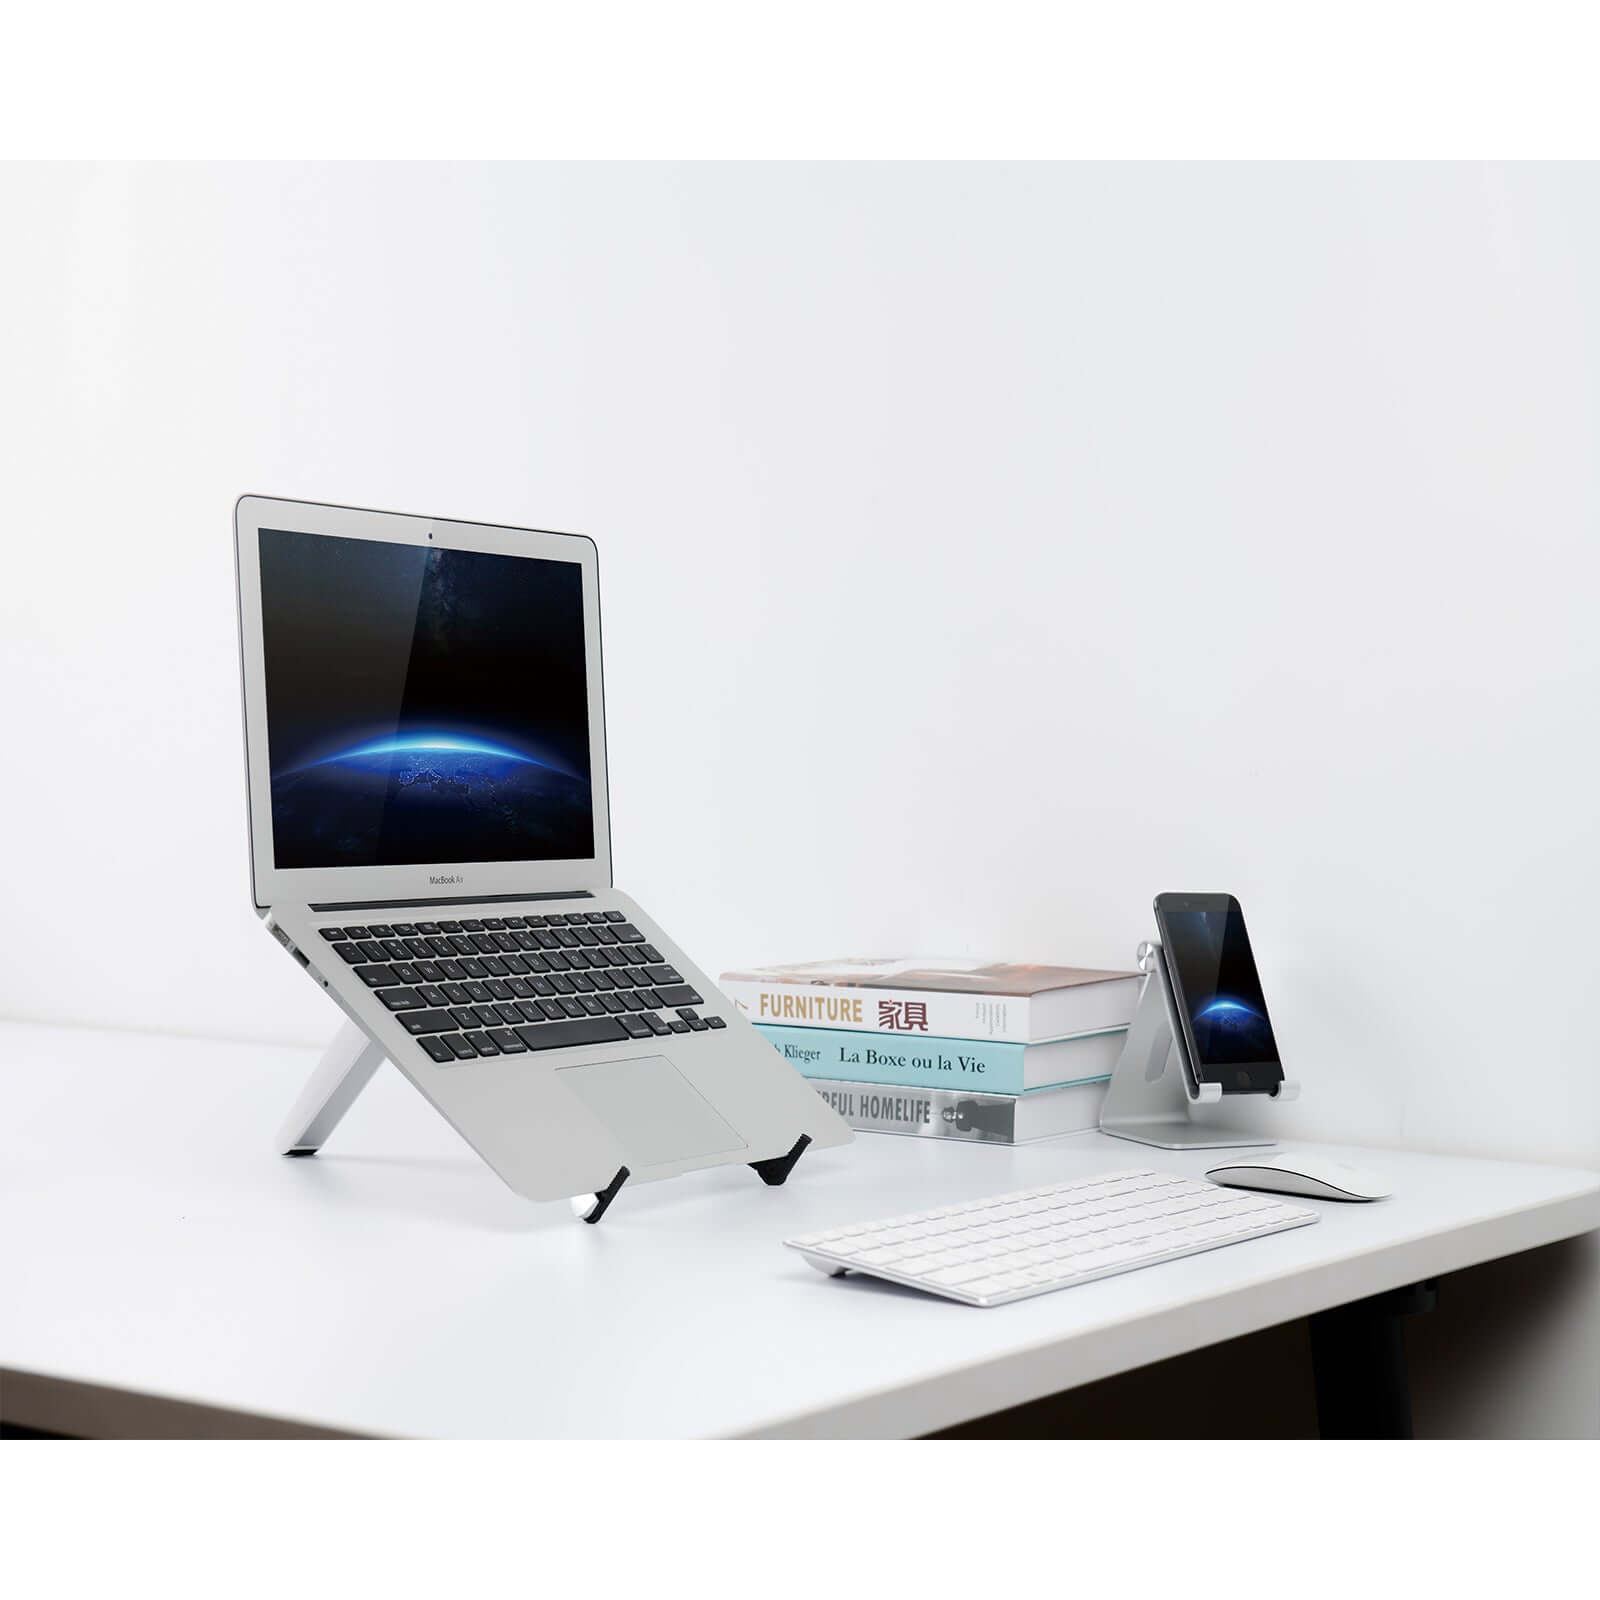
(454, 900)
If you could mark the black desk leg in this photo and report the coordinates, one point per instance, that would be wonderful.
(1358, 1359)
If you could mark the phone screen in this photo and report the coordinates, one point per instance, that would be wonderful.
(1218, 991)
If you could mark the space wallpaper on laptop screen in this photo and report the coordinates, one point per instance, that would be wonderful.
(423, 706)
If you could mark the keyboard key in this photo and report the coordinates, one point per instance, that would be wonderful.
(488, 1016)
(628, 934)
(651, 998)
(401, 999)
(696, 1024)
(406, 973)
(358, 933)
(508, 1041)
(663, 974)
(716, 1022)
(508, 1015)
(426, 1021)
(427, 928)
(491, 924)
(570, 1006)
(552, 1009)
(613, 916)
(376, 977)
(612, 1002)
(498, 988)
(647, 952)
(462, 1046)
(634, 1026)
(476, 992)
(678, 1025)
(632, 1001)
(562, 1035)
(405, 930)
(680, 995)
(353, 953)
(464, 1016)
(654, 1023)
(432, 996)
(560, 984)
(430, 971)
(472, 925)
(484, 1045)
(437, 1048)
(333, 933)
(382, 930)
(449, 927)
(591, 1005)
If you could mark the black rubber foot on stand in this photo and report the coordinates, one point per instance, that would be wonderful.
(604, 1198)
(775, 1169)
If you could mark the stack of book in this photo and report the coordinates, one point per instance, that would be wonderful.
(947, 1049)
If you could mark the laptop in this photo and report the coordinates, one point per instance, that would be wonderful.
(430, 840)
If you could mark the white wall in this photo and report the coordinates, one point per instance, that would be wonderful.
(984, 549)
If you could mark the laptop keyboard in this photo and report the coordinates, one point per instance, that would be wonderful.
(492, 986)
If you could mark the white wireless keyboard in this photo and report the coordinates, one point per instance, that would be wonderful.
(1011, 1246)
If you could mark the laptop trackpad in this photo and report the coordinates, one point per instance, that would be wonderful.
(653, 1111)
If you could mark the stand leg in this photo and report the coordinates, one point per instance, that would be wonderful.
(1358, 1360)
(591, 1207)
(775, 1169)
(342, 1073)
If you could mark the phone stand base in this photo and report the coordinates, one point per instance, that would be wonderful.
(1148, 1099)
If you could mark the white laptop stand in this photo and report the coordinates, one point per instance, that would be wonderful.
(1149, 1097)
(347, 1066)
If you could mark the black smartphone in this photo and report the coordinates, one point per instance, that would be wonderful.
(1217, 994)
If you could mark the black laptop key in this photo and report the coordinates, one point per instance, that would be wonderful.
(476, 992)
(570, 1006)
(464, 1016)
(484, 944)
(426, 1021)
(663, 975)
(514, 964)
(508, 1040)
(545, 939)
(537, 922)
(602, 980)
(503, 942)
(418, 949)
(462, 1046)
(484, 1044)
(331, 934)
(635, 1027)
(456, 994)
(473, 967)
(591, 1005)
(427, 927)
(376, 977)
(358, 933)
(633, 976)
(605, 934)
(437, 1048)
(492, 924)
(560, 984)
(432, 996)
(716, 1022)
(406, 973)
(525, 940)
(520, 987)
(650, 998)
(552, 1010)
(453, 970)
(567, 939)
(353, 953)
(542, 986)
(495, 966)
(648, 952)
(431, 971)
(461, 945)
(449, 927)
(472, 925)
(488, 1016)
(536, 963)
(612, 1002)
(680, 995)
(530, 1012)
(631, 1001)
(406, 930)
(696, 1024)
(579, 1030)
(498, 988)
(508, 1015)
(401, 999)
(655, 1024)
(556, 961)
(382, 930)
(613, 916)
(441, 947)
(395, 949)
(678, 1025)
(628, 934)
(582, 983)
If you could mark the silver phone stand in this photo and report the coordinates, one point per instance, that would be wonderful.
(1150, 1094)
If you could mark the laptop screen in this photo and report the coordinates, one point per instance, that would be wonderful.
(423, 705)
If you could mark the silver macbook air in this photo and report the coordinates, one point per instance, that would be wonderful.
(430, 839)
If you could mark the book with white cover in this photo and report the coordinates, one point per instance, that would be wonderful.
(954, 999)
(961, 1114)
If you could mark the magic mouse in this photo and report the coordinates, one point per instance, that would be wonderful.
(1317, 1177)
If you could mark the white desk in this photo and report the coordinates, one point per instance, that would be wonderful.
(153, 1243)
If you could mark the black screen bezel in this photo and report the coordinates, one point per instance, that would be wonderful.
(1246, 1077)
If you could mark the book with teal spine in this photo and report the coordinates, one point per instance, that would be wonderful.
(990, 1066)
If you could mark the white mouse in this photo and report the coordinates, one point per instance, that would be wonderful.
(1317, 1177)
